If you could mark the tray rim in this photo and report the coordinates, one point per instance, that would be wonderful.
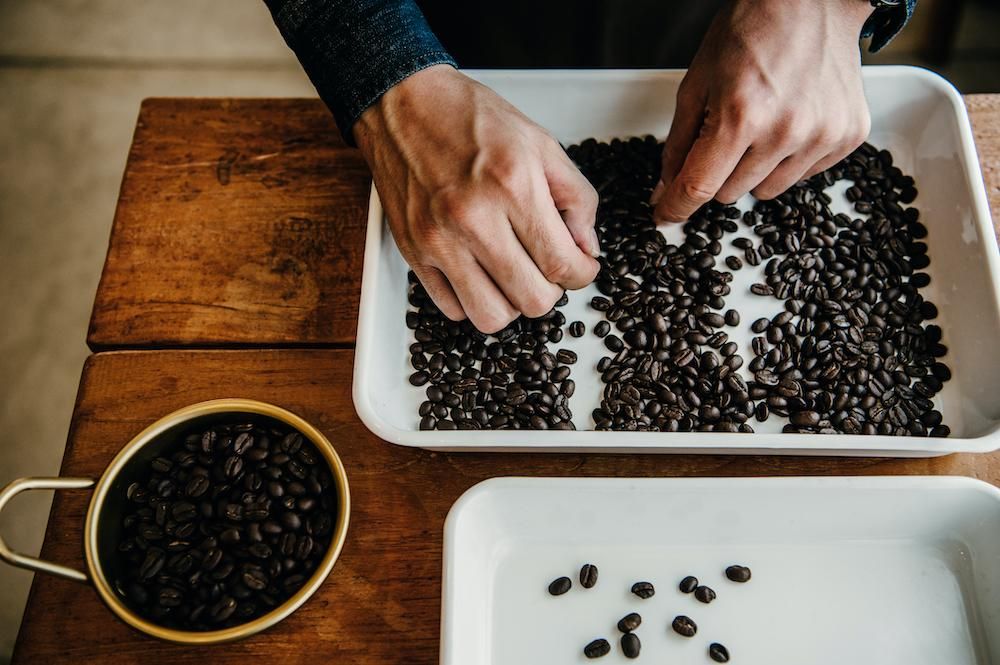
(449, 583)
(577, 441)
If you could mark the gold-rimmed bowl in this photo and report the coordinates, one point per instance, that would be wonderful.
(102, 531)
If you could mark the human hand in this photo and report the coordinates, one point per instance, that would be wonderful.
(774, 95)
(484, 204)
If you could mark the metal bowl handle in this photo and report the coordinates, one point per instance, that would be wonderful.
(29, 562)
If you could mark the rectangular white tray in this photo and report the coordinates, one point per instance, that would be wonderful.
(919, 116)
(880, 571)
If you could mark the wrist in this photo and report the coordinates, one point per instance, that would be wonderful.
(855, 12)
(409, 93)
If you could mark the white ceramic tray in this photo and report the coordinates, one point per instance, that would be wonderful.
(917, 115)
(879, 571)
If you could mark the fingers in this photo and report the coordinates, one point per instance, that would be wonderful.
(548, 241)
(574, 197)
(754, 167)
(788, 172)
(713, 156)
(440, 291)
(823, 164)
(516, 274)
(487, 308)
(683, 132)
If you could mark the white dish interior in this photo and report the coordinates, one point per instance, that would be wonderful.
(845, 570)
(917, 115)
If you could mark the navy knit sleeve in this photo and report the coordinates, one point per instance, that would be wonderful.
(885, 22)
(355, 50)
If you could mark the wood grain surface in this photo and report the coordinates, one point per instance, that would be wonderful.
(241, 223)
(238, 222)
(381, 604)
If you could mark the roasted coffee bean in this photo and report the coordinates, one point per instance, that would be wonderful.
(704, 594)
(588, 576)
(718, 653)
(850, 289)
(597, 648)
(631, 646)
(629, 622)
(643, 589)
(688, 584)
(560, 585)
(222, 610)
(683, 625)
(210, 512)
(738, 573)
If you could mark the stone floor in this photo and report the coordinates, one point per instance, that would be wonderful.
(72, 74)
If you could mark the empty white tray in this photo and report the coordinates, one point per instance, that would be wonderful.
(919, 116)
(879, 571)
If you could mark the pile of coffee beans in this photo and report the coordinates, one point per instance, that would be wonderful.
(224, 527)
(682, 625)
(847, 353)
(848, 348)
(475, 381)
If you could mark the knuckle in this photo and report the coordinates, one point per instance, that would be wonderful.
(591, 197)
(827, 136)
(729, 194)
(492, 320)
(742, 114)
(859, 131)
(694, 190)
(453, 205)
(508, 173)
(794, 131)
(537, 304)
(769, 190)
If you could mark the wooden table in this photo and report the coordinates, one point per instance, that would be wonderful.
(272, 206)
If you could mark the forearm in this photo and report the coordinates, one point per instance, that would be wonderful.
(355, 50)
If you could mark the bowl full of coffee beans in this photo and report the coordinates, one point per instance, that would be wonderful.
(214, 523)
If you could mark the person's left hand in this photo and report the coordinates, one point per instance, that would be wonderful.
(773, 96)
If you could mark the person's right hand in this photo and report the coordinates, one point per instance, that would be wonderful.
(484, 204)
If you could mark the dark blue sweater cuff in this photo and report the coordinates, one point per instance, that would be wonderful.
(885, 23)
(355, 50)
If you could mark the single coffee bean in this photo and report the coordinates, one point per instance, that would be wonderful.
(559, 586)
(718, 653)
(588, 576)
(704, 594)
(602, 328)
(688, 584)
(683, 625)
(738, 573)
(643, 589)
(597, 648)
(566, 356)
(631, 646)
(629, 622)
(576, 329)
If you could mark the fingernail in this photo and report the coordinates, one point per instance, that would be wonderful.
(654, 198)
(595, 244)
